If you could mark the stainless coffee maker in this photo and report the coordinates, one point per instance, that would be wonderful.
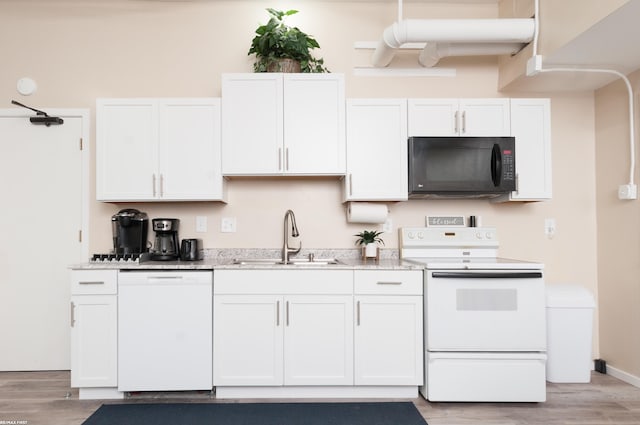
(166, 246)
(129, 227)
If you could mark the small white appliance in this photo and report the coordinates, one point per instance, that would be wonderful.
(485, 329)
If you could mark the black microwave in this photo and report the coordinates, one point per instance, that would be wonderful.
(477, 167)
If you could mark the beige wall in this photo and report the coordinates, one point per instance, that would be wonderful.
(80, 50)
(618, 232)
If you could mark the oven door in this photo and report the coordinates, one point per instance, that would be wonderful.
(485, 310)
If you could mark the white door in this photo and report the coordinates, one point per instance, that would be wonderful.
(318, 343)
(531, 126)
(314, 124)
(189, 144)
(484, 117)
(126, 149)
(433, 117)
(247, 340)
(388, 340)
(42, 187)
(94, 340)
(376, 150)
(252, 134)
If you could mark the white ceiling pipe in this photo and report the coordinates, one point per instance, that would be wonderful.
(451, 30)
(433, 52)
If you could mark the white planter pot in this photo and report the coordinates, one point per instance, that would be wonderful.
(371, 250)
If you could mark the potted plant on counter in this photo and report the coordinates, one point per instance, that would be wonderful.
(369, 240)
(281, 48)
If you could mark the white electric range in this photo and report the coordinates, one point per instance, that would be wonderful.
(485, 328)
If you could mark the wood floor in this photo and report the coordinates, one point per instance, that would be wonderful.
(44, 398)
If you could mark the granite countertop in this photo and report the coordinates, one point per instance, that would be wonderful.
(224, 259)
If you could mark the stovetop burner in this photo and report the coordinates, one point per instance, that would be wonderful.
(124, 258)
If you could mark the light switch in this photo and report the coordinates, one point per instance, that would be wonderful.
(201, 224)
(228, 225)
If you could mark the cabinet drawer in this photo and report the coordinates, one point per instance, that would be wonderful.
(89, 282)
(388, 282)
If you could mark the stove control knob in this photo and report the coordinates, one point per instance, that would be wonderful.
(410, 235)
(479, 235)
(489, 235)
(420, 235)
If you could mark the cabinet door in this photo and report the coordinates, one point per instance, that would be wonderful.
(376, 150)
(94, 343)
(318, 344)
(388, 340)
(247, 340)
(126, 149)
(484, 117)
(314, 124)
(459, 117)
(252, 124)
(531, 126)
(189, 150)
(433, 117)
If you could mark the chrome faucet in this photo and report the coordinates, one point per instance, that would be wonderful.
(286, 251)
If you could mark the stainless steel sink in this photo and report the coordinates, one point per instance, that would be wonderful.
(292, 262)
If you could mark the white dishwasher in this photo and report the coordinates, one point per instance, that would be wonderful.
(165, 330)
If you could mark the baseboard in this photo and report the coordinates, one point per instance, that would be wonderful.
(318, 392)
(623, 376)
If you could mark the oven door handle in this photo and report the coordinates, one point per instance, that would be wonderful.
(489, 275)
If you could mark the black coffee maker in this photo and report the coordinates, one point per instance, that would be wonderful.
(129, 228)
(166, 246)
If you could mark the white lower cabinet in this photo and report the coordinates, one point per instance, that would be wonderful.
(274, 328)
(303, 333)
(94, 323)
(389, 328)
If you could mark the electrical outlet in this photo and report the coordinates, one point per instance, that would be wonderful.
(201, 224)
(228, 225)
(627, 191)
(550, 227)
(387, 227)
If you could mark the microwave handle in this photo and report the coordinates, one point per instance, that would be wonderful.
(496, 165)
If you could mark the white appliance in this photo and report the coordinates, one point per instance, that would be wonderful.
(165, 330)
(485, 329)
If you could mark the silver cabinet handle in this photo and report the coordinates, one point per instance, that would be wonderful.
(287, 159)
(278, 313)
(91, 283)
(389, 283)
(464, 122)
(73, 314)
(350, 184)
(279, 159)
(161, 185)
(455, 122)
(517, 183)
(358, 313)
(287, 307)
(153, 183)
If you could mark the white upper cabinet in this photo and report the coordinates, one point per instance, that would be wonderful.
(531, 127)
(376, 150)
(459, 117)
(158, 150)
(277, 124)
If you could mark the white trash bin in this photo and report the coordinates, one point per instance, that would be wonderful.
(569, 333)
